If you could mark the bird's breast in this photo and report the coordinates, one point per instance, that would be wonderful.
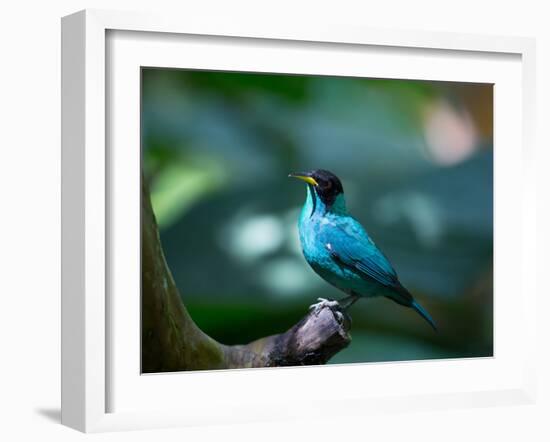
(309, 229)
(317, 235)
(316, 247)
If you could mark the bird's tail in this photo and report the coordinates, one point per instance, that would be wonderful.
(422, 312)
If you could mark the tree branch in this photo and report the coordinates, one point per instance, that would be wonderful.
(171, 341)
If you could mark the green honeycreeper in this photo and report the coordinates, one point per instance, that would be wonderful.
(339, 249)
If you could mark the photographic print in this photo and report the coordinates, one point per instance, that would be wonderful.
(292, 220)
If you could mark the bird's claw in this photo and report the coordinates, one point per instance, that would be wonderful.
(330, 303)
(333, 305)
(339, 316)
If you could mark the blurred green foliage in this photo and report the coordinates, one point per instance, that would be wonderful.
(180, 183)
(416, 162)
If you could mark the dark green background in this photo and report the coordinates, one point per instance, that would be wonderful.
(415, 159)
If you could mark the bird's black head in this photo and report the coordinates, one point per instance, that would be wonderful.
(326, 185)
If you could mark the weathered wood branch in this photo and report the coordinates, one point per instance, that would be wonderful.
(171, 341)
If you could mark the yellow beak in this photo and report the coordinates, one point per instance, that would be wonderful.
(305, 178)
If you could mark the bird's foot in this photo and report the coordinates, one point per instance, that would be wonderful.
(332, 304)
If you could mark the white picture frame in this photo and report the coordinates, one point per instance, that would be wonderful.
(88, 206)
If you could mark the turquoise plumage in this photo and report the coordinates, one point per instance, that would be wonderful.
(339, 249)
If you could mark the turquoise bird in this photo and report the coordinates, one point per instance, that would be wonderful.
(339, 249)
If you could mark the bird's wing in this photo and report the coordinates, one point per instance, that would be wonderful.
(352, 247)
